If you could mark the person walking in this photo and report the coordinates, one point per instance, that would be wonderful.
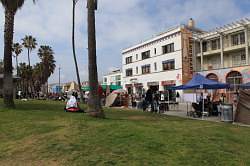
(149, 99)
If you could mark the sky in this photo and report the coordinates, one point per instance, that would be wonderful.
(119, 24)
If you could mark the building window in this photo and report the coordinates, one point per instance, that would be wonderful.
(129, 60)
(118, 78)
(242, 38)
(155, 51)
(234, 78)
(168, 48)
(145, 55)
(129, 72)
(145, 69)
(215, 44)
(136, 70)
(168, 65)
(136, 56)
(212, 77)
(105, 80)
(204, 46)
(239, 59)
(235, 40)
(155, 64)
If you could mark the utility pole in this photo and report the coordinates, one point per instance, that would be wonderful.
(59, 79)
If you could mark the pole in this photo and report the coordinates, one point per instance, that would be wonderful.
(59, 79)
(168, 101)
(203, 107)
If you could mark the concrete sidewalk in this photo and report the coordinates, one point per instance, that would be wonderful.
(182, 109)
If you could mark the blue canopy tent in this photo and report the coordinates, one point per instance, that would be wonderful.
(245, 86)
(200, 82)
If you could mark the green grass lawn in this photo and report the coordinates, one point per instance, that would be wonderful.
(40, 133)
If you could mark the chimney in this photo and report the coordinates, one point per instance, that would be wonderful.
(191, 23)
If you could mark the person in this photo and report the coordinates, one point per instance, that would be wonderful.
(177, 97)
(149, 98)
(222, 98)
(72, 103)
(156, 103)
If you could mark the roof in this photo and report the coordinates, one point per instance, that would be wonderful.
(220, 30)
(159, 36)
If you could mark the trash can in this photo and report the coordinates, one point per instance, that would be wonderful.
(226, 113)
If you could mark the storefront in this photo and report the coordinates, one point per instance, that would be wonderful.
(166, 86)
(129, 88)
(138, 88)
(154, 86)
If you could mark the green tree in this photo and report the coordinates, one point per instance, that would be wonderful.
(10, 7)
(94, 104)
(17, 50)
(37, 75)
(29, 43)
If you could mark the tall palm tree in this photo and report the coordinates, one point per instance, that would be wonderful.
(11, 8)
(94, 104)
(17, 50)
(30, 43)
(74, 52)
(46, 54)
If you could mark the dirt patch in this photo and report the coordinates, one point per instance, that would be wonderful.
(138, 118)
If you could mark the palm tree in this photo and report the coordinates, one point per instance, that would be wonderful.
(74, 52)
(30, 43)
(11, 8)
(37, 74)
(94, 104)
(17, 49)
(46, 54)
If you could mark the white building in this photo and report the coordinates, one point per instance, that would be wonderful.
(223, 54)
(113, 78)
(163, 61)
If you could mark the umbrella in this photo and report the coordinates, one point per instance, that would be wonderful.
(245, 86)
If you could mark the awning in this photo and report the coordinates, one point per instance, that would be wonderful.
(104, 87)
(200, 82)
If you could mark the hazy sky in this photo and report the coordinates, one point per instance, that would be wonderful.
(120, 23)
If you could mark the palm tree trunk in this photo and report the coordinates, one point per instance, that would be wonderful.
(17, 73)
(94, 104)
(29, 56)
(8, 85)
(17, 70)
(74, 52)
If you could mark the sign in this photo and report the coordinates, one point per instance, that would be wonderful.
(138, 84)
(153, 83)
(128, 85)
(169, 82)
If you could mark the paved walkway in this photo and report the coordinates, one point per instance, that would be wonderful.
(182, 109)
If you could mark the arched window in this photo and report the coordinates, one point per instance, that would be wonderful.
(234, 78)
(212, 76)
